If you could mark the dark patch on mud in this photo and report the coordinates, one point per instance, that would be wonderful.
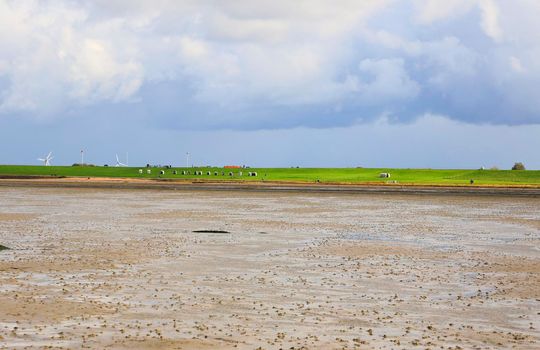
(210, 231)
(3, 247)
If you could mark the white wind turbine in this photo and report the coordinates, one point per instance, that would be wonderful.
(47, 160)
(118, 163)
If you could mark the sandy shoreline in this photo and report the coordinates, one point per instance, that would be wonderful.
(168, 184)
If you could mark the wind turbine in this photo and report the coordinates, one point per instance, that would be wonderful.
(118, 163)
(47, 159)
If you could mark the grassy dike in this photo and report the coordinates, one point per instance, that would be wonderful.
(529, 178)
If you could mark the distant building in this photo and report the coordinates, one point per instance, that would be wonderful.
(232, 166)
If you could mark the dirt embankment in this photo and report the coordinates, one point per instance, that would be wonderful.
(276, 186)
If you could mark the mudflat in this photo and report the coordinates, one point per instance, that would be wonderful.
(124, 269)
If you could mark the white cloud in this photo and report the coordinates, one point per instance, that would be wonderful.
(389, 82)
(193, 49)
(95, 74)
(354, 56)
(241, 50)
(490, 19)
(429, 11)
(515, 64)
(58, 59)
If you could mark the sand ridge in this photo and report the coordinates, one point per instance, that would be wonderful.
(522, 190)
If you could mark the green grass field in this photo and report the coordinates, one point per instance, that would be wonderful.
(324, 175)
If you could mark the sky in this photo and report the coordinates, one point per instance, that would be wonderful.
(342, 83)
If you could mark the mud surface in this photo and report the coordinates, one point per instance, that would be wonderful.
(514, 190)
(122, 269)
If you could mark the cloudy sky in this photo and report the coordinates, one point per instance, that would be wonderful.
(374, 83)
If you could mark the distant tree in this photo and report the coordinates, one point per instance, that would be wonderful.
(518, 166)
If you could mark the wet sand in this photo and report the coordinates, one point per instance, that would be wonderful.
(123, 269)
(521, 190)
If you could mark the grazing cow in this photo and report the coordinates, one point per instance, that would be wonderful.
(162, 172)
(140, 171)
(384, 175)
(149, 171)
